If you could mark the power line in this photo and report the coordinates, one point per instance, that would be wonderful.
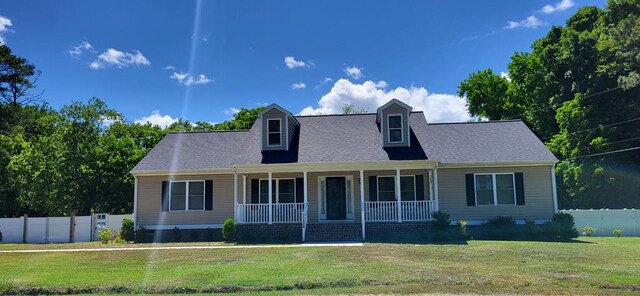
(603, 153)
(616, 142)
(559, 104)
(598, 127)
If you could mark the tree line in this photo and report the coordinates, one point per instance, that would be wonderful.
(578, 91)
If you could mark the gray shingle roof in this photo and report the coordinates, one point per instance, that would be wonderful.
(340, 138)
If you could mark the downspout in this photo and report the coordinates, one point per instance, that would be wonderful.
(554, 189)
(135, 202)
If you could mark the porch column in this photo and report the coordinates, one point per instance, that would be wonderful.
(435, 188)
(235, 196)
(270, 205)
(398, 197)
(554, 190)
(362, 202)
(244, 189)
(306, 198)
(431, 197)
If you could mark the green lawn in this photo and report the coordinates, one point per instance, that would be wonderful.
(592, 266)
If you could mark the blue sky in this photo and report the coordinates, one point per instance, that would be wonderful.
(161, 60)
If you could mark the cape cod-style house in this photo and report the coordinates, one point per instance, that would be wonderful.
(341, 177)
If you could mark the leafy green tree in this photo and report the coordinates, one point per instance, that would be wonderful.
(351, 109)
(17, 78)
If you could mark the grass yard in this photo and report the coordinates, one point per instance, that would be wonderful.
(592, 266)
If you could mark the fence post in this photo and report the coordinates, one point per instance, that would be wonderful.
(92, 229)
(72, 228)
(25, 227)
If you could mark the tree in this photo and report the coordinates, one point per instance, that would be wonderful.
(17, 78)
(351, 109)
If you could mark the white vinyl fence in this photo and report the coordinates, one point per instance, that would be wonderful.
(605, 221)
(57, 229)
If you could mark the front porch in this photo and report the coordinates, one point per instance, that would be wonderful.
(354, 197)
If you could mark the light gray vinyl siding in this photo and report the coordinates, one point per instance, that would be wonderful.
(394, 109)
(424, 173)
(274, 114)
(150, 199)
(537, 191)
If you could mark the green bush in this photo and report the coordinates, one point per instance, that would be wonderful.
(195, 235)
(105, 235)
(141, 235)
(588, 231)
(617, 232)
(500, 221)
(118, 239)
(564, 225)
(463, 226)
(126, 231)
(229, 230)
(440, 220)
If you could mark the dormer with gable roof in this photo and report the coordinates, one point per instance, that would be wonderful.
(393, 120)
(278, 128)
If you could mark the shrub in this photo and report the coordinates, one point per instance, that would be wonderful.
(195, 235)
(440, 220)
(177, 236)
(105, 235)
(126, 231)
(463, 226)
(588, 231)
(500, 221)
(141, 235)
(229, 230)
(617, 232)
(564, 225)
(118, 239)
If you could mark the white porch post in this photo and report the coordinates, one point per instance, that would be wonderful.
(398, 197)
(554, 189)
(306, 198)
(244, 189)
(435, 189)
(235, 197)
(362, 203)
(270, 205)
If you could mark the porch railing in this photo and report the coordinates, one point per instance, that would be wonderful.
(382, 211)
(281, 213)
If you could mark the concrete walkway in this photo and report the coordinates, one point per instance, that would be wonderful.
(339, 244)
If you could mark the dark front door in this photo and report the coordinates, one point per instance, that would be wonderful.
(336, 198)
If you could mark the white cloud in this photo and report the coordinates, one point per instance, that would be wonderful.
(560, 6)
(169, 68)
(119, 59)
(76, 51)
(354, 72)
(188, 79)
(505, 75)
(298, 85)
(232, 111)
(157, 119)
(324, 81)
(370, 95)
(291, 62)
(531, 22)
(5, 23)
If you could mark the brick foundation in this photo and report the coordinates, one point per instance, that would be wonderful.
(389, 232)
(274, 233)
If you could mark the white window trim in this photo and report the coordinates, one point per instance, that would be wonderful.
(389, 129)
(279, 132)
(277, 189)
(186, 195)
(495, 191)
(415, 189)
(322, 199)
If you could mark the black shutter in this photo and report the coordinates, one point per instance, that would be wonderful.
(373, 188)
(419, 187)
(471, 190)
(165, 196)
(208, 195)
(519, 189)
(255, 191)
(299, 190)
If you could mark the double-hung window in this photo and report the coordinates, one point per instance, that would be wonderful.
(387, 188)
(495, 189)
(274, 132)
(187, 196)
(283, 191)
(395, 128)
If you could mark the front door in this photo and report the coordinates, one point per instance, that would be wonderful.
(336, 198)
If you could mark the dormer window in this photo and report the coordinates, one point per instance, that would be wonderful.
(274, 135)
(395, 128)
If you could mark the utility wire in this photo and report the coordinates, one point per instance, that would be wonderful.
(598, 127)
(560, 104)
(603, 153)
